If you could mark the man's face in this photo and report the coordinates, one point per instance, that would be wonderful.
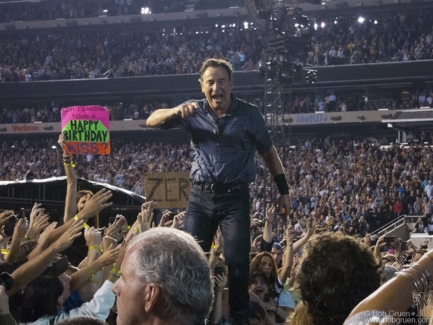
(277, 254)
(129, 292)
(217, 86)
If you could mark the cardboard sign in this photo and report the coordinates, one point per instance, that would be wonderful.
(169, 190)
(87, 129)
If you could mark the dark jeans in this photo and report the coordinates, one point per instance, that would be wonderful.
(231, 211)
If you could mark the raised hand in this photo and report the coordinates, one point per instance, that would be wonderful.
(114, 229)
(47, 230)
(92, 236)
(109, 256)
(187, 110)
(40, 223)
(165, 220)
(5, 216)
(61, 141)
(270, 213)
(290, 234)
(20, 229)
(74, 231)
(35, 212)
(147, 209)
(107, 242)
(96, 204)
(311, 227)
(178, 220)
(220, 282)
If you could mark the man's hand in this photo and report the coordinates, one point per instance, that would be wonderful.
(255, 246)
(109, 256)
(61, 141)
(5, 216)
(147, 209)
(178, 220)
(311, 227)
(284, 205)
(114, 230)
(40, 223)
(74, 231)
(187, 110)
(20, 229)
(92, 236)
(47, 231)
(107, 242)
(165, 220)
(96, 204)
(270, 213)
(381, 242)
(290, 234)
(220, 282)
(35, 212)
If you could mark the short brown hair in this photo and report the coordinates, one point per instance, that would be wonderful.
(216, 63)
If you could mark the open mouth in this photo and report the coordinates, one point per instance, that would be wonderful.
(258, 291)
(217, 98)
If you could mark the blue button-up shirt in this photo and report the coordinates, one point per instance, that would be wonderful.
(224, 148)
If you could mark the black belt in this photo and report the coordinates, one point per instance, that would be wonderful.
(221, 188)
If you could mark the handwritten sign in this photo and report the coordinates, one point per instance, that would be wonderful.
(169, 190)
(86, 129)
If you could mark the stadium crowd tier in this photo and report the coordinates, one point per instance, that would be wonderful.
(327, 178)
(381, 37)
(323, 101)
(71, 9)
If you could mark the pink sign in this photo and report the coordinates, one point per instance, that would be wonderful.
(86, 129)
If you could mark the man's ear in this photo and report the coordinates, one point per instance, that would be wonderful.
(152, 293)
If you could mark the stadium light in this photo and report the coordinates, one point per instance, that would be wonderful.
(361, 19)
(145, 11)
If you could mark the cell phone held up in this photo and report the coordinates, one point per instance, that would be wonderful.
(218, 270)
(10, 224)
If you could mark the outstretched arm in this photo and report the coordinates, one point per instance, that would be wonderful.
(161, 115)
(34, 267)
(71, 179)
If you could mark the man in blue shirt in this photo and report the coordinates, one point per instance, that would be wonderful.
(225, 132)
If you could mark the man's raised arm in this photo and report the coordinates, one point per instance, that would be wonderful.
(166, 114)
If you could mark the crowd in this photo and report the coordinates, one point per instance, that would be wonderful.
(324, 101)
(381, 37)
(70, 9)
(339, 192)
(335, 181)
(50, 111)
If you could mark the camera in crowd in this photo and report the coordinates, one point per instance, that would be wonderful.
(10, 224)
